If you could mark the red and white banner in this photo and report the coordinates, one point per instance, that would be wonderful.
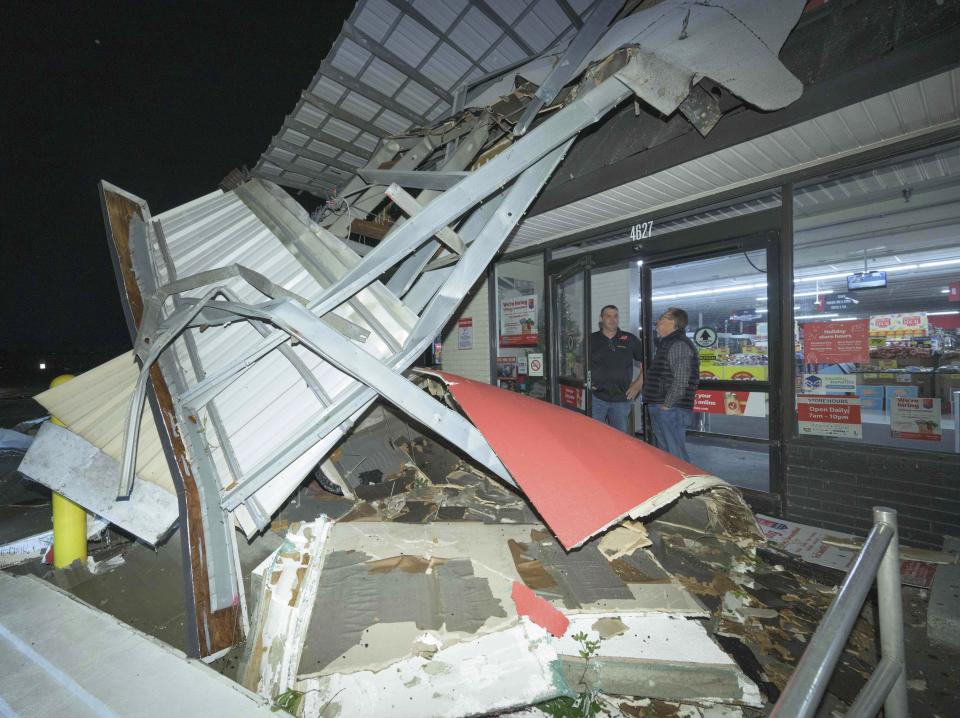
(837, 416)
(572, 397)
(730, 403)
(518, 321)
(836, 342)
(915, 418)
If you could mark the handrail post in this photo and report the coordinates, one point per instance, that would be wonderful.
(890, 614)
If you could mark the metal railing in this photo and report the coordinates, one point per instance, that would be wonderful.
(887, 687)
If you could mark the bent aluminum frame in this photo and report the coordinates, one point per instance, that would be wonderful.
(363, 328)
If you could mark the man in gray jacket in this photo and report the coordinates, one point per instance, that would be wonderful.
(671, 382)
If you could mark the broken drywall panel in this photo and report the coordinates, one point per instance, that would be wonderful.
(385, 585)
(579, 488)
(507, 669)
(73, 467)
(654, 656)
(428, 601)
(357, 596)
(94, 404)
(623, 540)
(288, 581)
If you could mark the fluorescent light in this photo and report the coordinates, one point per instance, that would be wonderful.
(761, 311)
(929, 314)
(821, 277)
(938, 263)
(816, 316)
(944, 291)
(897, 268)
(813, 294)
(707, 292)
(844, 319)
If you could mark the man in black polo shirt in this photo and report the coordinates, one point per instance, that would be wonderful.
(612, 353)
(671, 382)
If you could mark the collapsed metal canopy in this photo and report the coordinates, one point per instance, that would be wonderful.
(398, 65)
(262, 336)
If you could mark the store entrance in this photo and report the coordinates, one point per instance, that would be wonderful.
(724, 287)
(731, 308)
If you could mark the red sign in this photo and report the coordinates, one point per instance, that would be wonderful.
(829, 416)
(836, 342)
(571, 396)
(721, 402)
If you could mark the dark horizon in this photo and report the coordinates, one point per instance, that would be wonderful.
(162, 100)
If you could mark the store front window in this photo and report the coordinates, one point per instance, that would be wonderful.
(877, 303)
(521, 333)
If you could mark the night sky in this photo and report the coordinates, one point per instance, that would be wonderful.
(163, 100)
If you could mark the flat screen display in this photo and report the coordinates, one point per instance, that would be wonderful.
(866, 280)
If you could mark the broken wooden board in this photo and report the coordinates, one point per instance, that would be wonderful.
(579, 487)
(75, 468)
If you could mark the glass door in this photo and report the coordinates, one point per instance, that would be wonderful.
(731, 311)
(569, 367)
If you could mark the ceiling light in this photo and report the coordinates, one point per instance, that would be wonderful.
(816, 316)
(938, 263)
(813, 294)
(941, 314)
(944, 291)
(844, 319)
(821, 277)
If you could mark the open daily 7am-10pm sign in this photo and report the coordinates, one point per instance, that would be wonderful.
(837, 416)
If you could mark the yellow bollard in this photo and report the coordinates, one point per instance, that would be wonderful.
(69, 520)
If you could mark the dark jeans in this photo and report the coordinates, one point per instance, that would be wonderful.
(616, 413)
(670, 429)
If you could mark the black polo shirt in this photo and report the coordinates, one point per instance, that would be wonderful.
(611, 364)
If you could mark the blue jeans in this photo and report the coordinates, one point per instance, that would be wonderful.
(615, 413)
(670, 429)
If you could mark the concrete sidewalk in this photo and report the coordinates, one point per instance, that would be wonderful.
(61, 657)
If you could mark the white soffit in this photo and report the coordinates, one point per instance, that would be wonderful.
(916, 109)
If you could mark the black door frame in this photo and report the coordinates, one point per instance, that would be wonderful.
(570, 269)
(759, 230)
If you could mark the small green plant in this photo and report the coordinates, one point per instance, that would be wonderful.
(585, 704)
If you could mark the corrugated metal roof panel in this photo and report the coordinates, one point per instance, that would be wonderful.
(417, 98)
(391, 122)
(445, 66)
(350, 57)
(381, 76)
(328, 89)
(444, 42)
(474, 33)
(376, 17)
(411, 41)
(360, 106)
(442, 12)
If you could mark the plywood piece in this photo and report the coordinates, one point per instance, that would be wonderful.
(581, 475)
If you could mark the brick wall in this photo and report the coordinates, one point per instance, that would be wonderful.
(470, 363)
(835, 486)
